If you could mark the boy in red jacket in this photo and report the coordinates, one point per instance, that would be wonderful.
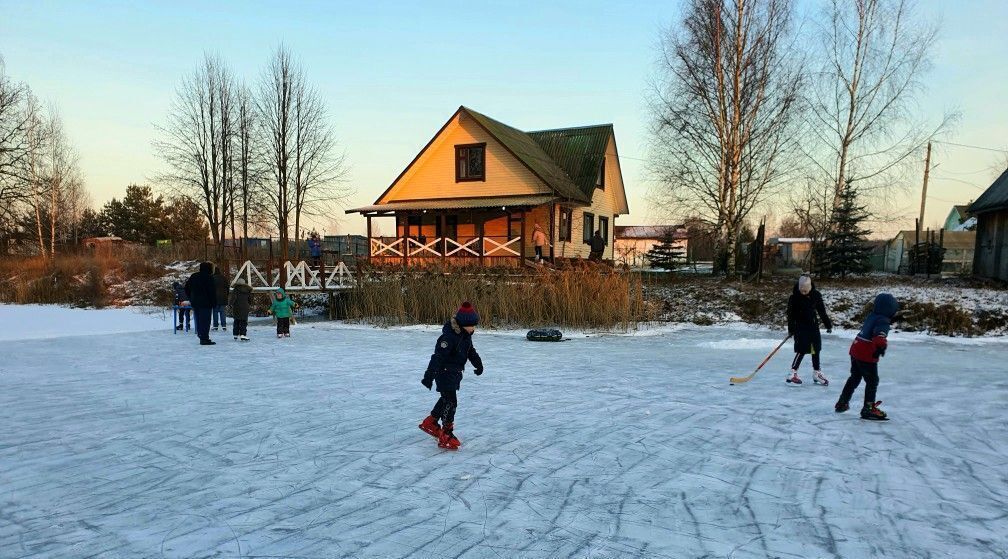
(869, 345)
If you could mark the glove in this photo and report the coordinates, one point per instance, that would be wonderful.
(428, 382)
(478, 372)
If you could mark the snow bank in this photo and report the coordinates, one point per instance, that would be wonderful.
(28, 322)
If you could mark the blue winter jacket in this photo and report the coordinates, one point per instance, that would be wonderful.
(454, 347)
(872, 340)
(314, 248)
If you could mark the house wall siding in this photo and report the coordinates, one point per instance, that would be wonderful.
(991, 256)
(432, 176)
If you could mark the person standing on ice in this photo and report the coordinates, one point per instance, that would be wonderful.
(223, 290)
(203, 297)
(451, 352)
(866, 350)
(241, 305)
(803, 307)
(182, 302)
(282, 308)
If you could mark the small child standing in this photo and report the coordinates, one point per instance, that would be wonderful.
(869, 345)
(282, 308)
(451, 352)
(241, 305)
(184, 307)
(804, 304)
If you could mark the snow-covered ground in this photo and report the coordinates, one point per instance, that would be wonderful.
(144, 444)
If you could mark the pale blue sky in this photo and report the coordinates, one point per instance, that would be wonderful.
(392, 72)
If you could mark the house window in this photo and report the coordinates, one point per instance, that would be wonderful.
(588, 228)
(603, 225)
(566, 217)
(600, 180)
(470, 162)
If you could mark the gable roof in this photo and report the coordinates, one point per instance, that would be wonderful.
(994, 198)
(578, 151)
(531, 154)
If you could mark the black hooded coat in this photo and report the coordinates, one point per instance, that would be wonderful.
(803, 322)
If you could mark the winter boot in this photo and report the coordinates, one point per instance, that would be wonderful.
(841, 407)
(179, 327)
(236, 337)
(871, 411)
(431, 427)
(244, 338)
(448, 440)
(818, 378)
(794, 377)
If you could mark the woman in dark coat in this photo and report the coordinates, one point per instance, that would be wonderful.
(805, 308)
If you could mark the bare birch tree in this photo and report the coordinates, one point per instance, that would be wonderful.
(16, 118)
(874, 56)
(724, 112)
(306, 173)
(196, 142)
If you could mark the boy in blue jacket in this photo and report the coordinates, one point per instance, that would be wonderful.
(453, 349)
(866, 350)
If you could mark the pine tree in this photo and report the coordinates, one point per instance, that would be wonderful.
(846, 250)
(666, 255)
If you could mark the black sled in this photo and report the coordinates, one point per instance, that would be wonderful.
(544, 335)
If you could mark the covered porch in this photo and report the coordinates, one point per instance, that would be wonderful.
(488, 231)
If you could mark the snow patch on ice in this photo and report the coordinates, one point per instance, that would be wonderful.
(741, 343)
(33, 322)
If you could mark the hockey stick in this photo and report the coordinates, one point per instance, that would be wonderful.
(740, 380)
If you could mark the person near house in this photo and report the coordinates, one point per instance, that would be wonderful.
(182, 302)
(868, 347)
(202, 295)
(282, 308)
(598, 244)
(315, 249)
(220, 311)
(453, 348)
(241, 305)
(804, 309)
(539, 240)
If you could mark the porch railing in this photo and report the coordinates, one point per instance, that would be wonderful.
(471, 247)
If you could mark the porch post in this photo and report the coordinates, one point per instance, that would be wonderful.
(479, 234)
(521, 241)
(444, 237)
(552, 237)
(369, 237)
(405, 240)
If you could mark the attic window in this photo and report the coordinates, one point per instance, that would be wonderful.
(470, 162)
(600, 180)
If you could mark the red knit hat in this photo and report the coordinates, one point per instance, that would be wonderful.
(467, 315)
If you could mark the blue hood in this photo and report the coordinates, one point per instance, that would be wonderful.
(878, 322)
(886, 305)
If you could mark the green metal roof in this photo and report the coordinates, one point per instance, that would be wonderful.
(994, 198)
(558, 157)
(578, 151)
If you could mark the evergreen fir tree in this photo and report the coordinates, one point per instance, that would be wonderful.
(666, 255)
(845, 250)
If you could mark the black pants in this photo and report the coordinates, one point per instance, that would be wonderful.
(798, 359)
(539, 252)
(202, 322)
(861, 370)
(445, 407)
(239, 326)
(184, 314)
(283, 325)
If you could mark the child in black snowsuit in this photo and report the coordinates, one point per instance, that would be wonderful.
(804, 304)
(182, 302)
(453, 349)
(866, 350)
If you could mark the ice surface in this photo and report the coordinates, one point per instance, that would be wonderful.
(145, 444)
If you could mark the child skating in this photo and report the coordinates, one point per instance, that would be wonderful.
(451, 352)
(241, 305)
(866, 350)
(803, 307)
(282, 308)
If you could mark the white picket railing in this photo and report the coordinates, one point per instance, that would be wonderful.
(300, 277)
(477, 246)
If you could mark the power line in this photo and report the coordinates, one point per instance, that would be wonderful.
(971, 146)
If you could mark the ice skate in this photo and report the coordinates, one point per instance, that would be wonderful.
(448, 440)
(818, 378)
(794, 378)
(872, 412)
(430, 426)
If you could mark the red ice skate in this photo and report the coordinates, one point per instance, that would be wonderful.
(448, 440)
(431, 427)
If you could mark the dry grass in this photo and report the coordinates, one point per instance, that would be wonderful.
(505, 298)
(70, 279)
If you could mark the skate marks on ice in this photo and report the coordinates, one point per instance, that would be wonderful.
(134, 446)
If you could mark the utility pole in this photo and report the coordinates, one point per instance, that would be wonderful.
(927, 168)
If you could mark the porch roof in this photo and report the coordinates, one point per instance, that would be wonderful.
(455, 204)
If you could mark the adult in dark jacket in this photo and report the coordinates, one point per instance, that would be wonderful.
(203, 297)
(315, 249)
(451, 352)
(221, 286)
(598, 244)
(182, 302)
(241, 305)
(804, 308)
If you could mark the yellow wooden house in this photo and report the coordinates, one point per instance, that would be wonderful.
(479, 187)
